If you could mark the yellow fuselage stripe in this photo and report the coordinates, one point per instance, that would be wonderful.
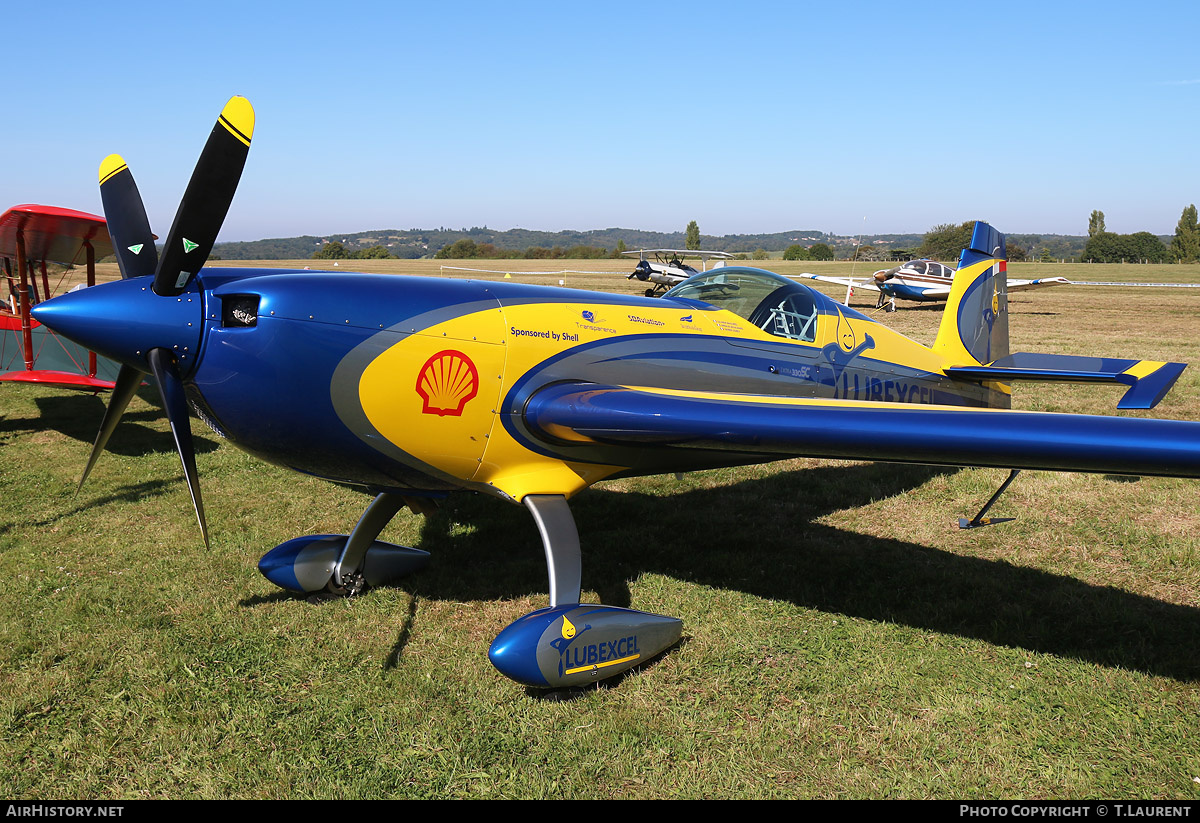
(603, 665)
(766, 399)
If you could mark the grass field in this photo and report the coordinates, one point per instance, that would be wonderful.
(842, 638)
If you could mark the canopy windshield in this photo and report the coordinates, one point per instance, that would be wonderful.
(775, 304)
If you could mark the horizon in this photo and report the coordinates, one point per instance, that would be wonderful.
(341, 235)
(326, 236)
(841, 119)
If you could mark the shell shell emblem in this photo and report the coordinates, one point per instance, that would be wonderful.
(446, 383)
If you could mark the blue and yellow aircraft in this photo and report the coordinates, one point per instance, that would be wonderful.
(412, 388)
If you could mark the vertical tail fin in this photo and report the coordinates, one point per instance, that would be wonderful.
(974, 326)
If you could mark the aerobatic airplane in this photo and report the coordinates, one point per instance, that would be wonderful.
(31, 236)
(920, 281)
(669, 267)
(412, 388)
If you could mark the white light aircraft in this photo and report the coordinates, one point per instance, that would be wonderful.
(919, 280)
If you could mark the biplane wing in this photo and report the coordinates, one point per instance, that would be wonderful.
(52, 233)
(30, 237)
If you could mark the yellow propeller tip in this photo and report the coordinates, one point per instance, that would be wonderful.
(238, 118)
(111, 165)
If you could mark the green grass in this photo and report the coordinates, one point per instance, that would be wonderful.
(842, 638)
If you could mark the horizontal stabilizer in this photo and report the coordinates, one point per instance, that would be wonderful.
(1148, 380)
(757, 425)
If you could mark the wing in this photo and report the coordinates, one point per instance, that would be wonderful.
(757, 427)
(841, 281)
(1040, 283)
(700, 253)
(53, 234)
(35, 234)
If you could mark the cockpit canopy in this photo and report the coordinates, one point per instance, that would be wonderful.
(775, 304)
(928, 267)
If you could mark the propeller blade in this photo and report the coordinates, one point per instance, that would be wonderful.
(207, 198)
(128, 380)
(126, 217)
(170, 386)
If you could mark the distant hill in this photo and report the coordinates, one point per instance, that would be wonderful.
(414, 243)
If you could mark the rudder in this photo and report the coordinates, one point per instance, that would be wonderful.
(974, 327)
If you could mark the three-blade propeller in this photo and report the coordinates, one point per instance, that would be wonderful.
(201, 212)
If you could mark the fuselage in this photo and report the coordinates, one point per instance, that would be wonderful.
(919, 280)
(420, 384)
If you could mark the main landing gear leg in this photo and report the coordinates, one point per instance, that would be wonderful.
(339, 565)
(979, 519)
(572, 643)
(560, 540)
(348, 579)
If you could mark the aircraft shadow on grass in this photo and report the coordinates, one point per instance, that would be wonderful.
(760, 536)
(778, 551)
(130, 493)
(77, 416)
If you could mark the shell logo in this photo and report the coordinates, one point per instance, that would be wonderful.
(447, 381)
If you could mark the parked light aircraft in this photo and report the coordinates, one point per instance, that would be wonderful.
(32, 236)
(412, 388)
(918, 280)
(669, 266)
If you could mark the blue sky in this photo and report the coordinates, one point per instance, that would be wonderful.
(744, 116)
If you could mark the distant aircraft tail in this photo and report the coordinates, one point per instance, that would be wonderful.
(974, 326)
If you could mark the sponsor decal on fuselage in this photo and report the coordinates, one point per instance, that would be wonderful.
(446, 383)
(578, 658)
(546, 334)
(592, 322)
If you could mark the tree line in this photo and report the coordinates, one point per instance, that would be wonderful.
(1108, 247)
(946, 241)
(468, 248)
(942, 242)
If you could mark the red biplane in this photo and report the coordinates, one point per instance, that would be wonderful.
(30, 237)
